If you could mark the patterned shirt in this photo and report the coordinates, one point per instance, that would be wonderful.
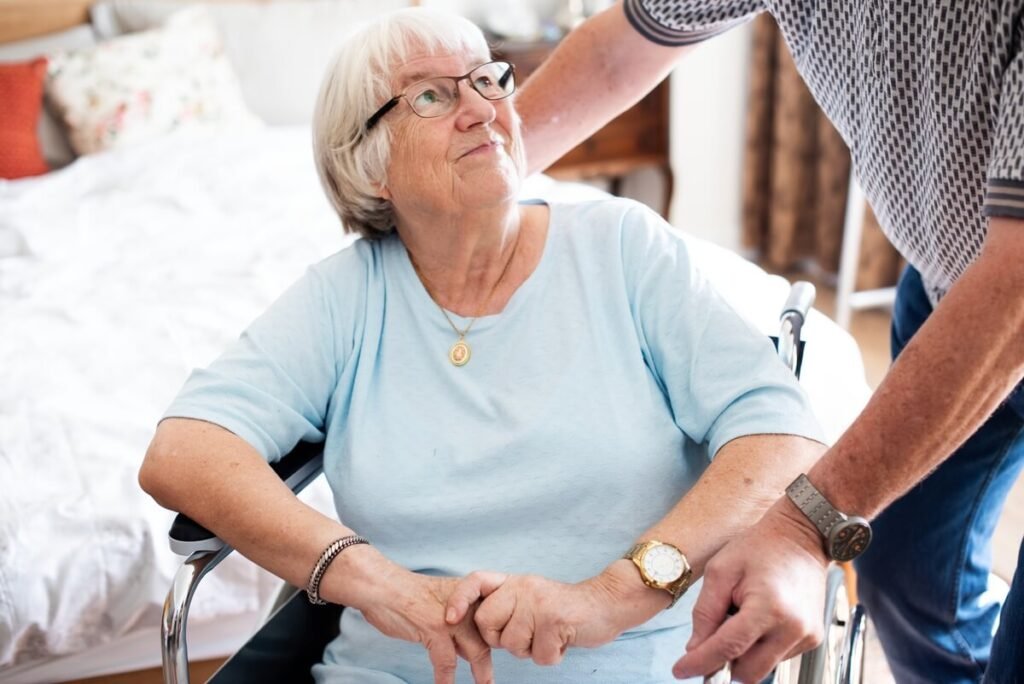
(927, 94)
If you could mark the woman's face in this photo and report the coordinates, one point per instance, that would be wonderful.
(469, 158)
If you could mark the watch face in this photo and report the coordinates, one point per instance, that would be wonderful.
(848, 539)
(663, 564)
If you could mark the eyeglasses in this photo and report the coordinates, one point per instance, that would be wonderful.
(437, 96)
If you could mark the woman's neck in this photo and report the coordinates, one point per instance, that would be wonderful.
(471, 263)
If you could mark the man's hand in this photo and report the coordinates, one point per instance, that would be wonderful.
(775, 574)
(534, 617)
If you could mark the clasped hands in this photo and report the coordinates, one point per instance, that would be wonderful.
(774, 572)
(527, 615)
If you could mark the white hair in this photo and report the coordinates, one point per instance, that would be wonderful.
(352, 163)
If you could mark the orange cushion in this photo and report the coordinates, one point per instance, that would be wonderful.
(21, 92)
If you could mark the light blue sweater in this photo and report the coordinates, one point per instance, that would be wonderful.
(589, 407)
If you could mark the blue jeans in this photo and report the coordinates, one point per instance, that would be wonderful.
(925, 579)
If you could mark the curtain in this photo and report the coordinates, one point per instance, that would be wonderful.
(795, 174)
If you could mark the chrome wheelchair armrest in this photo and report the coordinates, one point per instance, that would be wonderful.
(205, 550)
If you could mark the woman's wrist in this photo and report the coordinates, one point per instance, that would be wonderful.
(358, 577)
(629, 601)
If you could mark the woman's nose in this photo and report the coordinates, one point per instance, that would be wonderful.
(473, 108)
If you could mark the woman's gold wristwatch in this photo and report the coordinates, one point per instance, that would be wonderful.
(662, 566)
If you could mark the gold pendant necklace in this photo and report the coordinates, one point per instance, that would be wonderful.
(459, 353)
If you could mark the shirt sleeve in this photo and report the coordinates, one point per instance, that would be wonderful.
(272, 386)
(683, 22)
(721, 376)
(1004, 195)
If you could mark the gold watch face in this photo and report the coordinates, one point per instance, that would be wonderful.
(663, 564)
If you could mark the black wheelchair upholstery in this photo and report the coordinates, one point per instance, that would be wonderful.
(286, 647)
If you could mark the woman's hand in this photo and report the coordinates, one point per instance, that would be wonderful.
(413, 609)
(535, 617)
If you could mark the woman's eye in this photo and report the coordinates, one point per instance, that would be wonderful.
(484, 82)
(428, 97)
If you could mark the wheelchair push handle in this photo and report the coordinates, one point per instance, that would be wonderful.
(801, 298)
(794, 312)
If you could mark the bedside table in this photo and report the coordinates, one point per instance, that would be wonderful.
(637, 138)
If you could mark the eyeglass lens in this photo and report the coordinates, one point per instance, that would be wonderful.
(436, 96)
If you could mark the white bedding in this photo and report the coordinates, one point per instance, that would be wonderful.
(141, 265)
(133, 267)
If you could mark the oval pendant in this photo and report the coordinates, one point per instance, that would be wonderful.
(459, 353)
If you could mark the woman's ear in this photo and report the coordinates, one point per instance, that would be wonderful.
(384, 193)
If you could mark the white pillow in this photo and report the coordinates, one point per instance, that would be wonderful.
(139, 86)
(280, 50)
(56, 150)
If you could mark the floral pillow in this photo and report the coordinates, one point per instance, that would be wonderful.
(139, 86)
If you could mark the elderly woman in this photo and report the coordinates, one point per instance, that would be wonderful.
(551, 393)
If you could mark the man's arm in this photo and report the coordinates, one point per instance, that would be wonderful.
(601, 69)
(962, 363)
(950, 378)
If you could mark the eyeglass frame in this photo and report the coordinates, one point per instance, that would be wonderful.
(390, 104)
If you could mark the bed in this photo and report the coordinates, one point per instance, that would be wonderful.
(119, 273)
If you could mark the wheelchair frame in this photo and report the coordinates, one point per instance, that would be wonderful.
(839, 657)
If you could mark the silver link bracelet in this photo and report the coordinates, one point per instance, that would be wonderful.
(322, 563)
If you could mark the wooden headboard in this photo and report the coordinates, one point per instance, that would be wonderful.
(27, 18)
(21, 19)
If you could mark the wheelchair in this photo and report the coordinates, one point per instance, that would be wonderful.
(294, 636)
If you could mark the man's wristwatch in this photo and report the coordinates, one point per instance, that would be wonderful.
(662, 566)
(845, 537)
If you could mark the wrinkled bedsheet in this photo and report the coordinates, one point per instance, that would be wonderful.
(133, 267)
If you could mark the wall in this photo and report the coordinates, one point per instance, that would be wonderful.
(708, 101)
